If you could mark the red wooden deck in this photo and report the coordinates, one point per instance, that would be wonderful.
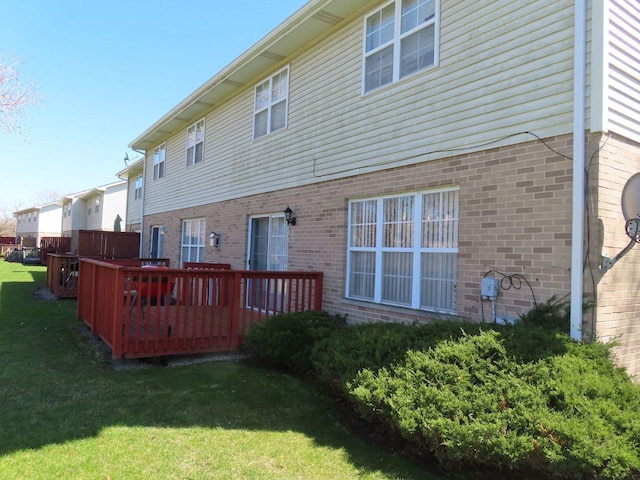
(150, 312)
(63, 271)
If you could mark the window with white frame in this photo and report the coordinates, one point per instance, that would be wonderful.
(403, 250)
(97, 205)
(159, 154)
(195, 143)
(270, 104)
(193, 238)
(137, 193)
(400, 39)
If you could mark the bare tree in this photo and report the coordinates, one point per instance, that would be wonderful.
(15, 97)
(7, 223)
(47, 196)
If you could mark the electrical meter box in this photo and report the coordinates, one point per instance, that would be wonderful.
(489, 288)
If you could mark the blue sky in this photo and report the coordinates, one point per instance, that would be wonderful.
(106, 71)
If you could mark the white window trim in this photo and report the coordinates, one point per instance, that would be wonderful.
(192, 161)
(199, 247)
(159, 161)
(270, 103)
(137, 192)
(378, 249)
(397, 37)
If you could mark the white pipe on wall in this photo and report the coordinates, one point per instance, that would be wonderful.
(579, 127)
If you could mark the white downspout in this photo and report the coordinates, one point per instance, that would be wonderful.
(579, 127)
(144, 189)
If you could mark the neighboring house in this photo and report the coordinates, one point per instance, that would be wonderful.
(106, 207)
(95, 209)
(73, 217)
(422, 146)
(36, 222)
(27, 226)
(133, 174)
(101, 208)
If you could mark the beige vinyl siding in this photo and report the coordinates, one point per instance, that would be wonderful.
(50, 220)
(504, 69)
(114, 203)
(134, 206)
(624, 68)
(94, 220)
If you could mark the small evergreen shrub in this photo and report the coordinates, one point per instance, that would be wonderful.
(551, 315)
(285, 341)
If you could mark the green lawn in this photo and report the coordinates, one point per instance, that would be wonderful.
(64, 414)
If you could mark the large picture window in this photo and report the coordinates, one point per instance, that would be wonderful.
(270, 104)
(403, 250)
(400, 39)
(193, 238)
(195, 143)
(158, 161)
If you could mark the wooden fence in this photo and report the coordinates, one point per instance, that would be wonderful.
(7, 248)
(53, 245)
(152, 312)
(97, 244)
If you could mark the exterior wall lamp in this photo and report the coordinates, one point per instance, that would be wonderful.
(288, 216)
(214, 239)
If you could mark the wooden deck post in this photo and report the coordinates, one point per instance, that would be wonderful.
(119, 348)
(234, 311)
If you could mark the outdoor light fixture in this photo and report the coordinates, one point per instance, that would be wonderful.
(214, 239)
(288, 216)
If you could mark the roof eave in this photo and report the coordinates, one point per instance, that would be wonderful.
(312, 20)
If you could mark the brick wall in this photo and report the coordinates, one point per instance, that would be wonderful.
(616, 292)
(515, 218)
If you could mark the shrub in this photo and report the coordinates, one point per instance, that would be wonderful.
(525, 400)
(552, 314)
(341, 356)
(473, 405)
(286, 340)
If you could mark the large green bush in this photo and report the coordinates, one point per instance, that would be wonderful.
(474, 405)
(285, 341)
(524, 400)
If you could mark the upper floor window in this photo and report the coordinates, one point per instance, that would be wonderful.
(403, 250)
(400, 39)
(158, 161)
(137, 194)
(195, 143)
(270, 104)
(96, 207)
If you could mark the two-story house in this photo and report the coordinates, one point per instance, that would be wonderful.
(36, 222)
(418, 147)
(101, 208)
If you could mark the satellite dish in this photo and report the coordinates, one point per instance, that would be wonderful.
(630, 203)
(630, 200)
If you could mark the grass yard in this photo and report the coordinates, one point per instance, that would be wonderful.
(65, 414)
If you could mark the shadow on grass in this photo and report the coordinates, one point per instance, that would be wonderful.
(54, 389)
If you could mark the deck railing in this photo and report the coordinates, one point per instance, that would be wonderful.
(63, 271)
(151, 312)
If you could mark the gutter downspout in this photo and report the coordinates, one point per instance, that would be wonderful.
(144, 189)
(579, 127)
